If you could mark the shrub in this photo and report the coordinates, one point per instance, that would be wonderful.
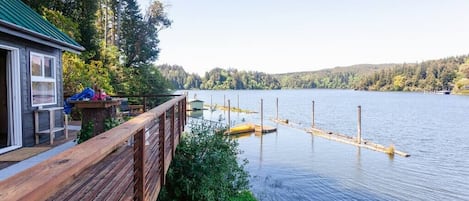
(85, 133)
(205, 167)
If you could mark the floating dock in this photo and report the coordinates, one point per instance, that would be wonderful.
(250, 128)
(265, 129)
(232, 109)
(281, 121)
(353, 141)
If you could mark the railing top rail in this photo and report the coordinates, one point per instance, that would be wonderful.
(44, 179)
(147, 96)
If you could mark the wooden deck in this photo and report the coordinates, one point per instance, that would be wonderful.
(72, 134)
(128, 162)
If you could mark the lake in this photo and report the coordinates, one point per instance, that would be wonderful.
(291, 164)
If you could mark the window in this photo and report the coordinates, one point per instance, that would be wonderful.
(43, 82)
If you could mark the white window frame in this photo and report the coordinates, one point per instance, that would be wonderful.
(43, 78)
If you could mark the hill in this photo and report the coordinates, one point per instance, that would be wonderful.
(338, 77)
(450, 73)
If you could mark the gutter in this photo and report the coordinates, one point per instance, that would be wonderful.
(62, 44)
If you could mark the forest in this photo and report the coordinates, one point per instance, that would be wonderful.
(450, 73)
(218, 79)
(121, 44)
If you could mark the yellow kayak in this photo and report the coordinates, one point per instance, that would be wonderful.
(242, 128)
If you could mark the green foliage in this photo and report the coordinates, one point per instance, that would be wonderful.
(95, 25)
(111, 123)
(443, 74)
(431, 75)
(81, 12)
(244, 196)
(63, 23)
(77, 74)
(85, 133)
(179, 78)
(462, 79)
(218, 79)
(140, 37)
(205, 167)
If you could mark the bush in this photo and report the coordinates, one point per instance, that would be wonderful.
(244, 196)
(205, 167)
(85, 133)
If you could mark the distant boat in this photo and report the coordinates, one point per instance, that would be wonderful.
(445, 92)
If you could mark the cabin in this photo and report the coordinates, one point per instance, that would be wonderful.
(196, 104)
(30, 75)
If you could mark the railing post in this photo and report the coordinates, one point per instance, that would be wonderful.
(179, 120)
(181, 125)
(161, 132)
(139, 166)
(173, 135)
(144, 104)
(184, 105)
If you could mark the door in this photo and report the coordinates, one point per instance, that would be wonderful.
(4, 136)
(10, 100)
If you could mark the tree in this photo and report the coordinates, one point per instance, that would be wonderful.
(398, 82)
(139, 37)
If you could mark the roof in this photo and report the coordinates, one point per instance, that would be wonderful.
(195, 100)
(18, 19)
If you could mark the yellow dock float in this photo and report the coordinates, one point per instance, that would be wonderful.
(249, 128)
(241, 128)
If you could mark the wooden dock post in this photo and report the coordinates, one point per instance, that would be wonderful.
(312, 123)
(262, 115)
(239, 109)
(359, 134)
(276, 105)
(229, 115)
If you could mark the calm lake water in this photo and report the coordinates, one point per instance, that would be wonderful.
(291, 164)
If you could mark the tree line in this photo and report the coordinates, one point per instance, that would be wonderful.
(218, 79)
(121, 44)
(450, 73)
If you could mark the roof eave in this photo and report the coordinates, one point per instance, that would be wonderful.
(43, 39)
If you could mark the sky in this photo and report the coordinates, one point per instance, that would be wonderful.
(276, 36)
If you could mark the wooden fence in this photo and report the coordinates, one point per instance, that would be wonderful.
(152, 138)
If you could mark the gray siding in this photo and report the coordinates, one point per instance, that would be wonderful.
(25, 48)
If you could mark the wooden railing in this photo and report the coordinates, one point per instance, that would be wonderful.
(153, 136)
(147, 101)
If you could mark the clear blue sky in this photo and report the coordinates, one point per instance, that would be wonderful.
(300, 35)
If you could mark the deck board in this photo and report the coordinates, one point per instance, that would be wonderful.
(108, 180)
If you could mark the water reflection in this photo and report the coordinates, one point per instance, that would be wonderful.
(261, 145)
(196, 114)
